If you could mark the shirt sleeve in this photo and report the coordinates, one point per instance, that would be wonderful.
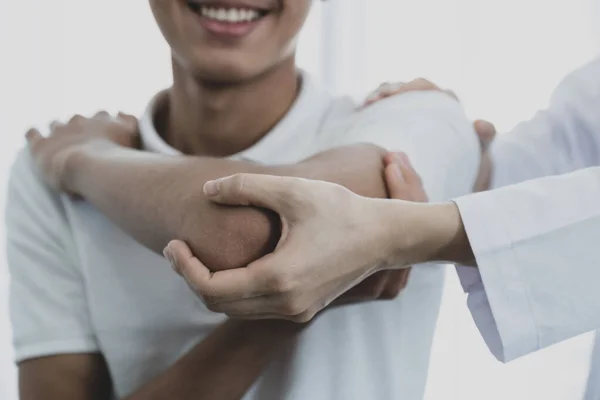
(535, 245)
(48, 305)
(432, 129)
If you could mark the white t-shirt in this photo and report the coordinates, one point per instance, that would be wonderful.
(79, 284)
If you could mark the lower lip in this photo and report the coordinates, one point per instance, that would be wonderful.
(229, 29)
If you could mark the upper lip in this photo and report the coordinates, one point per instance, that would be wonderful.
(263, 5)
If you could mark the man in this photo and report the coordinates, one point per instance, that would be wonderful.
(93, 307)
(534, 244)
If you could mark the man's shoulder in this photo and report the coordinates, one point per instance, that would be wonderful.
(27, 195)
(23, 175)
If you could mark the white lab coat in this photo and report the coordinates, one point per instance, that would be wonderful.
(537, 242)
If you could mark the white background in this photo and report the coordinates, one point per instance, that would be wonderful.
(503, 58)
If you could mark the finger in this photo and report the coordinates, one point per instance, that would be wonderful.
(389, 158)
(76, 119)
(390, 89)
(253, 308)
(255, 317)
(131, 119)
(102, 115)
(367, 290)
(403, 181)
(384, 90)
(397, 281)
(395, 182)
(33, 137)
(416, 85)
(486, 132)
(272, 192)
(373, 98)
(218, 287)
(408, 172)
(55, 125)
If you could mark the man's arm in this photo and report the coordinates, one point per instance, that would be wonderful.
(55, 344)
(65, 377)
(158, 198)
(222, 367)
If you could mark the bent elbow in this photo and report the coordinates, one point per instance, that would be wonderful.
(242, 236)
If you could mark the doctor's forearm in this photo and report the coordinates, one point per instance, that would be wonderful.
(157, 198)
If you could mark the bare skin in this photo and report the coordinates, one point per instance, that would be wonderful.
(393, 232)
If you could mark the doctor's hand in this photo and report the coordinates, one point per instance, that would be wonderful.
(54, 154)
(332, 240)
(403, 183)
(485, 130)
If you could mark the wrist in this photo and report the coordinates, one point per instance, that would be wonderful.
(78, 161)
(445, 238)
(426, 233)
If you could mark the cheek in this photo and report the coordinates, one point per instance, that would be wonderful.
(291, 24)
(166, 16)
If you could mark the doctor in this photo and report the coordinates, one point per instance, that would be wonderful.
(532, 247)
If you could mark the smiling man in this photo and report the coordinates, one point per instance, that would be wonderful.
(97, 311)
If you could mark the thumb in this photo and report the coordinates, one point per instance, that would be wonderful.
(33, 137)
(186, 264)
(272, 192)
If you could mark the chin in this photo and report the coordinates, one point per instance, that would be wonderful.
(224, 74)
(226, 70)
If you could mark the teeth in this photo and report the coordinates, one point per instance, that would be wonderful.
(232, 15)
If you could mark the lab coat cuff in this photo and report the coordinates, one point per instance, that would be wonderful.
(499, 298)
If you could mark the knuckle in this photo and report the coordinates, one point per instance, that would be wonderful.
(237, 183)
(77, 119)
(296, 192)
(293, 306)
(281, 283)
(303, 317)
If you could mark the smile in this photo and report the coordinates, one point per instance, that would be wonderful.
(230, 15)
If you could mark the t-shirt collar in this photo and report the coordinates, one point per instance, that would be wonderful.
(311, 97)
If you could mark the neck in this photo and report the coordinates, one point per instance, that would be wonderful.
(220, 120)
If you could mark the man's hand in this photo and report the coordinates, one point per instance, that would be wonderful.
(54, 154)
(486, 131)
(403, 183)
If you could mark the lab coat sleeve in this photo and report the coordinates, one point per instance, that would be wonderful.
(559, 140)
(535, 245)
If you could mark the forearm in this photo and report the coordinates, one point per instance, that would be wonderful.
(225, 365)
(157, 198)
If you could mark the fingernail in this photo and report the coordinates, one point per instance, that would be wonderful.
(211, 188)
(404, 159)
(398, 158)
(397, 172)
(169, 256)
